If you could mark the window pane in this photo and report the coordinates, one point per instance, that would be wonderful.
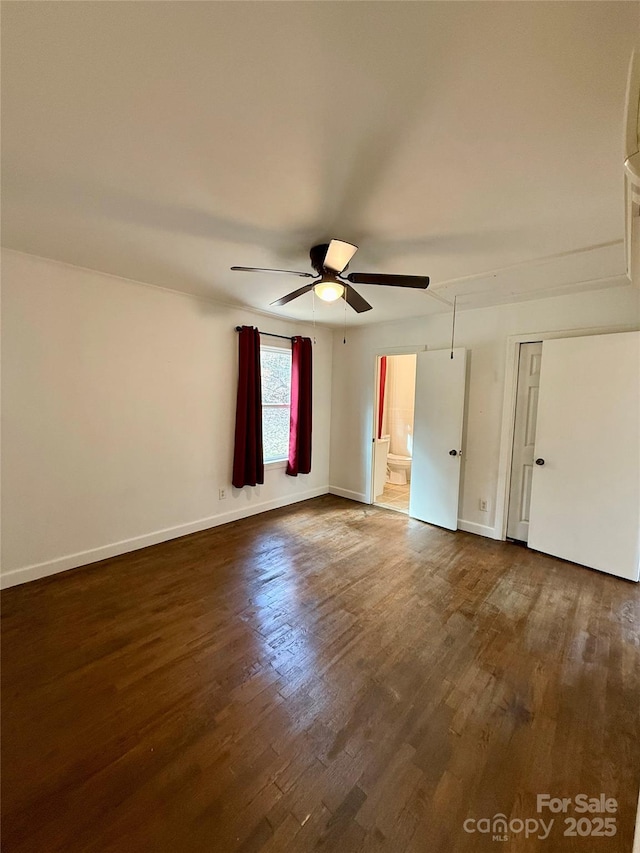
(276, 392)
(276, 376)
(275, 433)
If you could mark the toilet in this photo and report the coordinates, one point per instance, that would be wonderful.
(399, 469)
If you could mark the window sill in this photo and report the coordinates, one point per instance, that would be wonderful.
(277, 463)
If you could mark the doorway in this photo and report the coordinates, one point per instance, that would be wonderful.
(393, 441)
(423, 468)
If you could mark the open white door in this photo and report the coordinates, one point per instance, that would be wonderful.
(585, 497)
(437, 437)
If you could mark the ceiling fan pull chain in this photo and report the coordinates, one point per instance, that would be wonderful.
(453, 324)
(344, 339)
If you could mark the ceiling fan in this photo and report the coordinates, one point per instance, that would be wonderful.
(329, 260)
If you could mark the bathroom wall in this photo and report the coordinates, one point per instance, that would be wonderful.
(399, 403)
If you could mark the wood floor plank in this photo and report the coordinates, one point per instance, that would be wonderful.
(328, 676)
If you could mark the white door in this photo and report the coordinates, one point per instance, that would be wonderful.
(524, 435)
(437, 437)
(585, 497)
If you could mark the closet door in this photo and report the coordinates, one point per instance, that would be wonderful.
(585, 496)
(437, 437)
(524, 436)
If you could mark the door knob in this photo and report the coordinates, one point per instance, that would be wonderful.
(453, 453)
(539, 461)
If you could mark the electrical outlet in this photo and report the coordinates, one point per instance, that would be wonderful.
(484, 505)
(222, 494)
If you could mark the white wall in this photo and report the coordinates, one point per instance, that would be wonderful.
(118, 414)
(119, 398)
(399, 403)
(484, 332)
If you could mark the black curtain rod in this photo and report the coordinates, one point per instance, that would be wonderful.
(268, 334)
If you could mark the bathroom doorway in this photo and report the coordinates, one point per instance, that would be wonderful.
(393, 442)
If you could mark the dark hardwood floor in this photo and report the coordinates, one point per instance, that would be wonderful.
(327, 676)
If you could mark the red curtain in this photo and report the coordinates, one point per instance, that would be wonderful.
(300, 423)
(248, 463)
(381, 390)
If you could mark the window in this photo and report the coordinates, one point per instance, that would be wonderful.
(276, 395)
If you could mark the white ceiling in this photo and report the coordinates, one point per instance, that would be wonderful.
(478, 143)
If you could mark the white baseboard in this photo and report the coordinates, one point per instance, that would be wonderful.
(83, 558)
(468, 526)
(346, 493)
(478, 529)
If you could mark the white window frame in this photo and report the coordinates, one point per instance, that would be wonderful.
(275, 463)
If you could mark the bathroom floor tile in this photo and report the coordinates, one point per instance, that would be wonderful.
(394, 497)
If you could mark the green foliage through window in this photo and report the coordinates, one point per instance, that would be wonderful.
(276, 395)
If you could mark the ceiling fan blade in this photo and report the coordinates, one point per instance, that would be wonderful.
(338, 255)
(420, 281)
(262, 269)
(293, 295)
(354, 299)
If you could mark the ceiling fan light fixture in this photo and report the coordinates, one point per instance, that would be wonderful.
(338, 255)
(330, 260)
(329, 291)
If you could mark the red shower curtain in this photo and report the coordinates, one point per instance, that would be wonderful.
(300, 422)
(381, 390)
(248, 463)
